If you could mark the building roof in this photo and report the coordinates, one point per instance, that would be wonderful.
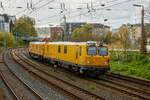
(99, 25)
(94, 24)
(65, 43)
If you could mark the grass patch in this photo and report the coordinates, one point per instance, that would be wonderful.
(132, 64)
(132, 68)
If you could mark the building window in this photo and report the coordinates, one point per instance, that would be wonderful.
(80, 53)
(59, 49)
(65, 49)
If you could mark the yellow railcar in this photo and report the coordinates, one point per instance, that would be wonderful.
(84, 57)
(36, 48)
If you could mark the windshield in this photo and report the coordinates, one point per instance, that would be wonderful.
(91, 50)
(102, 51)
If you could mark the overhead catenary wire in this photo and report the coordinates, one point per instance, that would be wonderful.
(48, 3)
(100, 8)
(22, 11)
(5, 2)
(82, 8)
(43, 5)
(87, 12)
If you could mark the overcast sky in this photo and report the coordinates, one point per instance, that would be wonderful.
(116, 11)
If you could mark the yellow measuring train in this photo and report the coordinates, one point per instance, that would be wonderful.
(83, 57)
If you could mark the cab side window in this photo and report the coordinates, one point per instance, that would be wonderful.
(65, 49)
(59, 49)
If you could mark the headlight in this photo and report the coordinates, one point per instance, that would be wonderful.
(105, 62)
(88, 62)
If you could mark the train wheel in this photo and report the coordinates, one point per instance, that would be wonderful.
(101, 77)
(81, 71)
(55, 68)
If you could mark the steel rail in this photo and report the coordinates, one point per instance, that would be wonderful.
(29, 87)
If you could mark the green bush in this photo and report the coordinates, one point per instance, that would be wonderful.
(130, 63)
(128, 56)
(9, 39)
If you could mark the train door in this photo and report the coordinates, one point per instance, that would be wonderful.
(77, 54)
(80, 55)
(43, 49)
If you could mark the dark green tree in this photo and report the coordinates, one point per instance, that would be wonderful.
(24, 26)
(83, 33)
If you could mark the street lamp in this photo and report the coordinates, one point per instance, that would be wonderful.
(137, 5)
(105, 20)
(50, 8)
(19, 7)
(143, 35)
(108, 9)
(103, 5)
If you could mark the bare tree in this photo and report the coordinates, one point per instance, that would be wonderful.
(147, 13)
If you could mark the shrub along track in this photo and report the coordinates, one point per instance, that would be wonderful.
(72, 90)
(19, 89)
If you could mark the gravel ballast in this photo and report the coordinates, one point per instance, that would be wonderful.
(46, 92)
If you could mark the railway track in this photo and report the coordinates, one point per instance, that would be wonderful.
(8, 86)
(126, 88)
(18, 88)
(72, 90)
(126, 85)
(4, 80)
(131, 79)
(139, 85)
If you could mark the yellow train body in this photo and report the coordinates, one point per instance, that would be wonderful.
(71, 54)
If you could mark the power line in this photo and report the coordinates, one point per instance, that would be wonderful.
(87, 12)
(47, 4)
(98, 9)
(27, 7)
(43, 5)
(83, 8)
(77, 10)
(104, 7)
(6, 1)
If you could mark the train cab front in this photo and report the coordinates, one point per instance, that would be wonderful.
(97, 59)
